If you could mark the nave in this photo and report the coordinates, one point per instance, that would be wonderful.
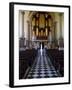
(36, 29)
(41, 63)
(42, 67)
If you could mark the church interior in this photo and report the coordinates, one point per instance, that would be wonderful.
(41, 44)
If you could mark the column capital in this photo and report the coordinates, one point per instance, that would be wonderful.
(60, 14)
(22, 12)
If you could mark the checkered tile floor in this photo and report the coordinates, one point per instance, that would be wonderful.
(42, 67)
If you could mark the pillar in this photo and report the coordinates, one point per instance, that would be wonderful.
(61, 42)
(22, 24)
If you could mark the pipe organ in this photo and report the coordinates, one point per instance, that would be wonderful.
(41, 23)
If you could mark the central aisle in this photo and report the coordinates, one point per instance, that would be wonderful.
(42, 67)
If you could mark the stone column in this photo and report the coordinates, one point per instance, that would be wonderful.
(28, 32)
(61, 38)
(21, 29)
(28, 25)
(60, 25)
(55, 32)
(22, 24)
(50, 37)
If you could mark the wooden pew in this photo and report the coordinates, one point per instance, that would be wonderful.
(26, 59)
(57, 59)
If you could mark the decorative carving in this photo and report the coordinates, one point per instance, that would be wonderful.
(41, 23)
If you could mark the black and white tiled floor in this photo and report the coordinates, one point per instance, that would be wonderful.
(42, 67)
